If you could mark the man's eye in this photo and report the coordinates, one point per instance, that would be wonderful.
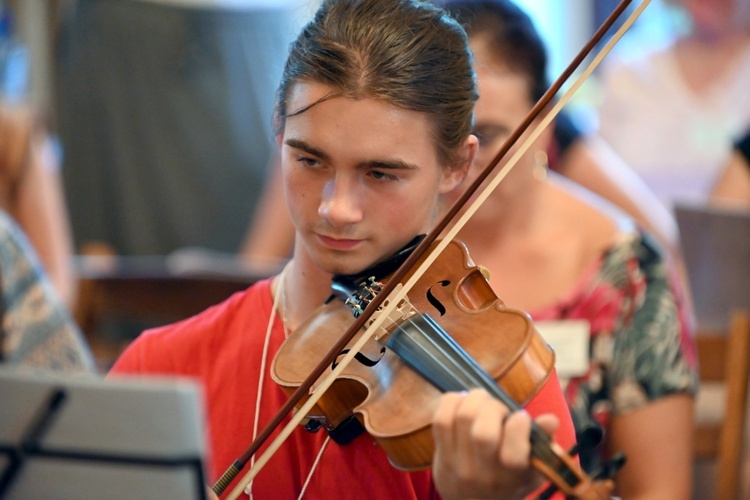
(310, 162)
(376, 174)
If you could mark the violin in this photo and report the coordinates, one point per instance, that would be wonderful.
(452, 333)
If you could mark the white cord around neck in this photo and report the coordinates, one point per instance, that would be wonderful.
(280, 292)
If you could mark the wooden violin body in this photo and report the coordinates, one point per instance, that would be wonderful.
(394, 403)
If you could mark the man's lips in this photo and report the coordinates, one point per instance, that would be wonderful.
(338, 243)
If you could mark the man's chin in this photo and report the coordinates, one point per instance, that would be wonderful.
(341, 264)
(343, 268)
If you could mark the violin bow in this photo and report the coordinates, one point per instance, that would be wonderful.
(389, 289)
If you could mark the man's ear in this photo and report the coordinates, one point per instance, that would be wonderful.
(454, 175)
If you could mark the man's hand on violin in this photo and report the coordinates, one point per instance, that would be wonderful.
(482, 449)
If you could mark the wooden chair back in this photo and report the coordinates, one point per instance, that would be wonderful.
(149, 291)
(724, 361)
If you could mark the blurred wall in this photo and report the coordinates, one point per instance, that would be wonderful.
(164, 115)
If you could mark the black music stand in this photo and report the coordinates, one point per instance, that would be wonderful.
(89, 438)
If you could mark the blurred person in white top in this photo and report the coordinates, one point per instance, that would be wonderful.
(672, 113)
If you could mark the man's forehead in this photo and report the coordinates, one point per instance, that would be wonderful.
(303, 95)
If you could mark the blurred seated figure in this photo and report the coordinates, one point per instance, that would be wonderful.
(583, 269)
(31, 192)
(733, 186)
(36, 329)
(673, 112)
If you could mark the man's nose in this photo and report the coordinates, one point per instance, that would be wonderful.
(341, 201)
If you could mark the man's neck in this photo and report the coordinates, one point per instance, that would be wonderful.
(306, 287)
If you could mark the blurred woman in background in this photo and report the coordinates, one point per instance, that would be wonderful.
(31, 192)
(565, 255)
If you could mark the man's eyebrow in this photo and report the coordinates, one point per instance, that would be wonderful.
(388, 165)
(298, 144)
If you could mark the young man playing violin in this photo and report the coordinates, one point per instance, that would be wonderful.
(374, 119)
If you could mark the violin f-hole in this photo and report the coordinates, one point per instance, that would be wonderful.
(434, 300)
(361, 358)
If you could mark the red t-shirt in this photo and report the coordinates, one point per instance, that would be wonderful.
(223, 348)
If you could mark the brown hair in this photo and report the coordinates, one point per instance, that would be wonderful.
(408, 53)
